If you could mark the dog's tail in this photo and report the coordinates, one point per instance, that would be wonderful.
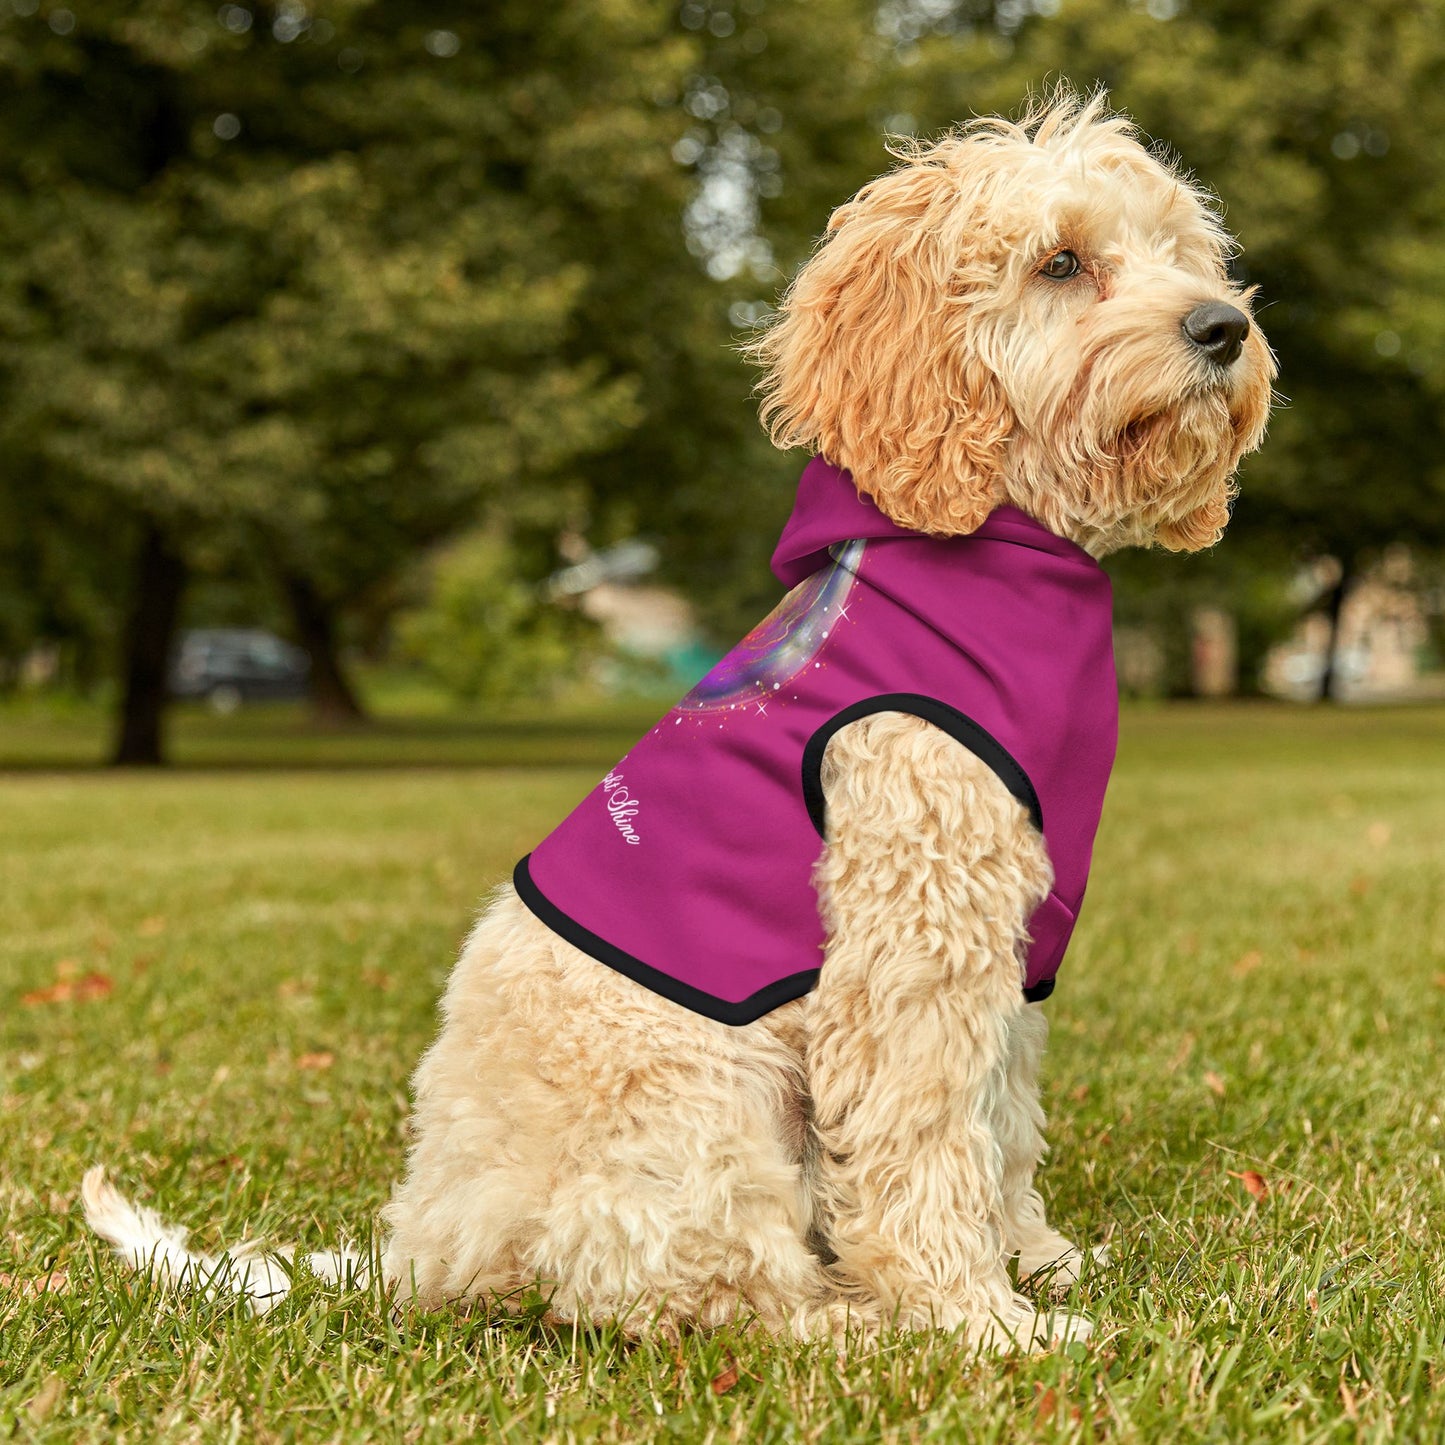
(147, 1243)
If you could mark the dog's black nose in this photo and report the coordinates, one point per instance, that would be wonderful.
(1218, 330)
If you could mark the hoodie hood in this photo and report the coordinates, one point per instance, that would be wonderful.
(829, 509)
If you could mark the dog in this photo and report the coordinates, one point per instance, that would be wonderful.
(1014, 353)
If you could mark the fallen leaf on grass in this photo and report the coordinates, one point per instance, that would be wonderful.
(1181, 1054)
(151, 927)
(1047, 1405)
(67, 990)
(1079, 1094)
(1248, 962)
(1378, 834)
(1255, 1184)
(322, 1059)
(56, 1282)
(724, 1382)
(1440, 980)
(1214, 1083)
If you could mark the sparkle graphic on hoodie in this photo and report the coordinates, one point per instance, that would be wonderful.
(783, 643)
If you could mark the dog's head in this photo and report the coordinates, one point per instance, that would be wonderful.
(1036, 313)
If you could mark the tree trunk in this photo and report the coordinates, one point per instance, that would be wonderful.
(1329, 676)
(160, 578)
(333, 699)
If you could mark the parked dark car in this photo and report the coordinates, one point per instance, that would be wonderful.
(230, 665)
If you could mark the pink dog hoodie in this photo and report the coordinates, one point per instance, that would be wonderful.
(689, 867)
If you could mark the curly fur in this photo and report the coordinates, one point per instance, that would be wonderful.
(644, 1163)
(865, 1155)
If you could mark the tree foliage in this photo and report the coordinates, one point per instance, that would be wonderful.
(485, 633)
(305, 290)
(322, 287)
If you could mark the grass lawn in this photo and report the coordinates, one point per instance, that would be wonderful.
(216, 980)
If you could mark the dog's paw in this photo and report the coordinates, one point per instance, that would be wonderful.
(1023, 1326)
(1058, 1270)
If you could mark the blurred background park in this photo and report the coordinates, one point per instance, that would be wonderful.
(383, 357)
(370, 397)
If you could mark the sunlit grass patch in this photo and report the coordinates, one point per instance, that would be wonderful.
(1244, 1089)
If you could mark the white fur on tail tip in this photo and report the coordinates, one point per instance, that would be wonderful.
(147, 1243)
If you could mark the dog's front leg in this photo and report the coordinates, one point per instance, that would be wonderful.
(930, 873)
(1019, 1124)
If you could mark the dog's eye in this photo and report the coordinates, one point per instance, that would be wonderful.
(1060, 266)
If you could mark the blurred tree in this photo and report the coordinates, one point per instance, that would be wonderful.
(307, 282)
(329, 283)
(323, 285)
(58, 570)
(1162, 596)
(782, 109)
(486, 634)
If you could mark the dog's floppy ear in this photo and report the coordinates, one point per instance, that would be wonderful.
(872, 360)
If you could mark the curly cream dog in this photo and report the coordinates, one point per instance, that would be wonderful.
(1034, 315)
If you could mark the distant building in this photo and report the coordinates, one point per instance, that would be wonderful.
(644, 622)
(1382, 651)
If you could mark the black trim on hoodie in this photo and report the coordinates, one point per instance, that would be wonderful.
(982, 744)
(784, 990)
(744, 1011)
